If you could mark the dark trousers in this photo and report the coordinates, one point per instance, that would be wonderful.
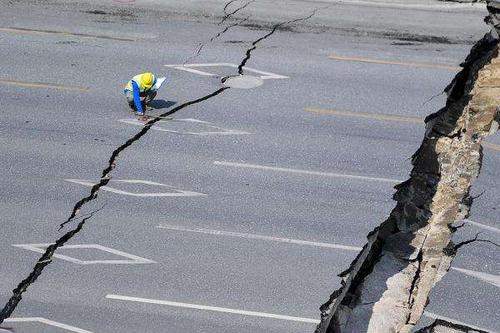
(146, 97)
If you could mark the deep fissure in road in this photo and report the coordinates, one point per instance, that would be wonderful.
(106, 177)
(386, 288)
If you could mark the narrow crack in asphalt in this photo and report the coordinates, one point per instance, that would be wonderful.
(226, 29)
(412, 250)
(220, 33)
(226, 6)
(414, 283)
(476, 239)
(106, 177)
(228, 15)
(454, 228)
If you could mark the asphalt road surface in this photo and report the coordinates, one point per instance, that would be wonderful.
(237, 215)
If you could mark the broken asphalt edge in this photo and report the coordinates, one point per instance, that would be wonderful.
(386, 288)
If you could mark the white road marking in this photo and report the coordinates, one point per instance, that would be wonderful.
(304, 172)
(131, 259)
(189, 68)
(213, 308)
(218, 130)
(483, 226)
(194, 71)
(176, 193)
(485, 277)
(46, 322)
(454, 321)
(260, 237)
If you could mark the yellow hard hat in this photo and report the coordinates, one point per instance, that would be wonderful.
(147, 80)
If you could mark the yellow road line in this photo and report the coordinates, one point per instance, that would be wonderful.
(491, 146)
(43, 85)
(385, 117)
(64, 33)
(395, 62)
(376, 116)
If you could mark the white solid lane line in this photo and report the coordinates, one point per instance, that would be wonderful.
(305, 172)
(483, 226)
(260, 237)
(213, 308)
(485, 277)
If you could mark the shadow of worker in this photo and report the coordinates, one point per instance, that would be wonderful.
(158, 104)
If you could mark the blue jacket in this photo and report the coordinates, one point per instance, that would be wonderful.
(137, 98)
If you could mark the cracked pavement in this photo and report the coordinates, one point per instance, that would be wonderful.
(57, 135)
(106, 175)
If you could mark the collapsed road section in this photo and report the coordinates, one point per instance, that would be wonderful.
(386, 288)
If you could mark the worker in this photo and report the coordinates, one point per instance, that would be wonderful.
(142, 85)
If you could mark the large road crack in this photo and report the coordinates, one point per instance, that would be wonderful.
(387, 286)
(106, 176)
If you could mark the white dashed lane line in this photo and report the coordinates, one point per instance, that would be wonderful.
(483, 226)
(260, 237)
(485, 277)
(305, 172)
(213, 308)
